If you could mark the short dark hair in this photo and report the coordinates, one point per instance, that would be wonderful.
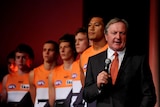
(26, 49)
(81, 29)
(99, 16)
(55, 44)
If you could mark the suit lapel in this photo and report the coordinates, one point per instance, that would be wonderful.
(102, 59)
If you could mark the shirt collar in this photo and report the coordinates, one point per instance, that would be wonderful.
(111, 52)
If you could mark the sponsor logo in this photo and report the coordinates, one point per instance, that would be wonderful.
(66, 76)
(85, 66)
(20, 82)
(68, 82)
(24, 86)
(58, 82)
(40, 83)
(12, 86)
(74, 75)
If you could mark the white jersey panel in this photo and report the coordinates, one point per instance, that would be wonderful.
(16, 96)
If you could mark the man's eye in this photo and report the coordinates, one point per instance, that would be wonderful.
(97, 24)
(122, 33)
(113, 33)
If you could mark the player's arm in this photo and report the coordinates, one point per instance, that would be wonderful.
(82, 76)
(51, 90)
(4, 90)
(32, 86)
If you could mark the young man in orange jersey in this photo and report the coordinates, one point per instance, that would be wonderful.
(39, 76)
(60, 81)
(16, 85)
(96, 34)
(81, 40)
(11, 65)
(81, 43)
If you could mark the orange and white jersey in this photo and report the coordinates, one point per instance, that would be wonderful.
(76, 77)
(68, 83)
(62, 80)
(41, 84)
(76, 84)
(17, 86)
(88, 53)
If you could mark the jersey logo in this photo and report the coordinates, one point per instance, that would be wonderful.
(20, 81)
(74, 75)
(40, 83)
(24, 86)
(85, 66)
(68, 82)
(66, 76)
(58, 82)
(12, 86)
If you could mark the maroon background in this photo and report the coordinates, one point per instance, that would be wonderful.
(36, 21)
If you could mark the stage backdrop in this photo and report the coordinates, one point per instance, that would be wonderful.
(36, 21)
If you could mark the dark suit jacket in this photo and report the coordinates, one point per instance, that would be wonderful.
(133, 87)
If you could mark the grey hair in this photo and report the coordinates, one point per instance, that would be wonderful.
(115, 20)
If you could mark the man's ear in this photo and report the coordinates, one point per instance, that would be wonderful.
(29, 63)
(106, 37)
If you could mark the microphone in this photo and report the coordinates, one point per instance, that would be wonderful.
(106, 67)
(107, 62)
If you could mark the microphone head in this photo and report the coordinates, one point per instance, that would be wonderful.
(107, 61)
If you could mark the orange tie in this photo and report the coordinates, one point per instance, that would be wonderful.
(114, 68)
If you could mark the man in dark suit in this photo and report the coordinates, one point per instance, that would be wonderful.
(131, 86)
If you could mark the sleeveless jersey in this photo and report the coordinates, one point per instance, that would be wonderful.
(17, 86)
(88, 53)
(68, 83)
(41, 84)
(76, 85)
(62, 80)
(76, 78)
